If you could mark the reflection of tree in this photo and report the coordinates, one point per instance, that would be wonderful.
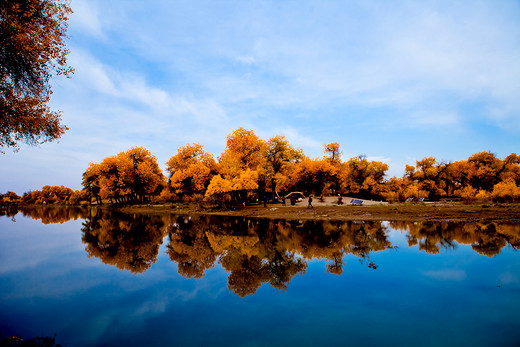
(130, 242)
(264, 251)
(247, 273)
(190, 248)
(52, 215)
(485, 238)
(255, 252)
(332, 240)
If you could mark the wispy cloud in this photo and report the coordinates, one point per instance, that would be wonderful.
(391, 80)
(85, 18)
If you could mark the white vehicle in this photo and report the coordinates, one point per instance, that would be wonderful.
(297, 195)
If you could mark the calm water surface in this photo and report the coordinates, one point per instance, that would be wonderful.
(99, 279)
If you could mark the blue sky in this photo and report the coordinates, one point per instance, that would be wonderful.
(396, 81)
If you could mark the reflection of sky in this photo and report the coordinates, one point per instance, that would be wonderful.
(456, 297)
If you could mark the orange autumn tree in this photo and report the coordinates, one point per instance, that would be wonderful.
(191, 170)
(52, 195)
(364, 178)
(333, 155)
(506, 191)
(131, 176)
(90, 182)
(32, 36)
(484, 177)
(484, 169)
(332, 151)
(114, 180)
(480, 178)
(280, 156)
(511, 168)
(429, 178)
(241, 166)
(394, 189)
(313, 176)
(146, 177)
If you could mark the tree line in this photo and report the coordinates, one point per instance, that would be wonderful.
(251, 169)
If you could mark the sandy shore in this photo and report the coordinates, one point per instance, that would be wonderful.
(371, 210)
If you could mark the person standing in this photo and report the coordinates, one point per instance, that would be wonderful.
(310, 202)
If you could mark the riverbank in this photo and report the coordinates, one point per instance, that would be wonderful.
(413, 212)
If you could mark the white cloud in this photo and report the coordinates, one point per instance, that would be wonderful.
(85, 18)
(376, 77)
(246, 59)
(437, 118)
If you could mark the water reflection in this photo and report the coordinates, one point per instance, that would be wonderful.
(265, 251)
(130, 242)
(485, 238)
(254, 251)
(55, 214)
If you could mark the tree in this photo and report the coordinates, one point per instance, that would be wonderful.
(244, 147)
(146, 177)
(506, 191)
(219, 187)
(279, 154)
(365, 177)
(240, 163)
(313, 175)
(128, 176)
(484, 170)
(90, 182)
(333, 155)
(430, 176)
(191, 169)
(32, 51)
(332, 150)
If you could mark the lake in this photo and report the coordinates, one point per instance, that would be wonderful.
(95, 278)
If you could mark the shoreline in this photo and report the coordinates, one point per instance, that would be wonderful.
(323, 211)
(453, 212)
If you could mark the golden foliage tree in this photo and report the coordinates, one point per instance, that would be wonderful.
(333, 151)
(364, 178)
(32, 51)
(241, 164)
(506, 191)
(333, 155)
(146, 177)
(430, 177)
(52, 195)
(313, 176)
(484, 168)
(279, 155)
(130, 176)
(191, 170)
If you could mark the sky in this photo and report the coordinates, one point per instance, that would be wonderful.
(396, 81)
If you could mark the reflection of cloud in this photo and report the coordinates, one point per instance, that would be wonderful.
(446, 275)
(508, 277)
